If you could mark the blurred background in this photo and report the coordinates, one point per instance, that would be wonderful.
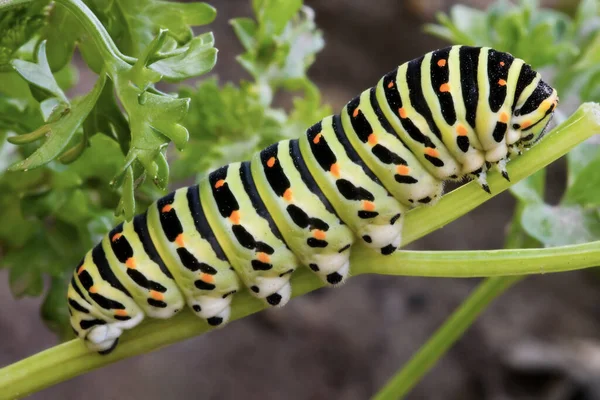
(538, 341)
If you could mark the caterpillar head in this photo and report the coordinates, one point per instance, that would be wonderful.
(532, 114)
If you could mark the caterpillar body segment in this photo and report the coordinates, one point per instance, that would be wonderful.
(390, 160)
(157, 297)
(441, 70)
(178, 226)
(250, 238)
(307, 220)
(410, 115)
(357, 195)
(450, 114)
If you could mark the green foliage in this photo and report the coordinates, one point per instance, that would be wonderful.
(17, 26)
(230, 123)
(541, 36)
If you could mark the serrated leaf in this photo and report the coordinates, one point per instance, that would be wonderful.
(39, 74)
(195, 58)
(179, 17)
(60, 132)
(134, 24)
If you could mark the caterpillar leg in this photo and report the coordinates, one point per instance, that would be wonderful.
(481, 177)
(501, 167)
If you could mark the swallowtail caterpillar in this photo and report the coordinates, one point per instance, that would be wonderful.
(450, 114)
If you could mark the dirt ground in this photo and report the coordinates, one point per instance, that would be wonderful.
(538, 341)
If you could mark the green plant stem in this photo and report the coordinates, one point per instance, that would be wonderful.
(72, 358)
(477, 263)
(445, 337)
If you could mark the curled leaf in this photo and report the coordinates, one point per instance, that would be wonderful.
(195, 58)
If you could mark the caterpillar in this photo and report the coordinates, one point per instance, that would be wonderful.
(451, 114)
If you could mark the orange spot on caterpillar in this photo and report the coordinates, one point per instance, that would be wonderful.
(444, 87)
(402, 112)
(235, 217)
(263, 257)
(121, 313)
(504, 117)
(157, 295)
(335, 170)
(207, 278)
(432, 152)
(525, 124)
(81, 269)
(355, 113)
(391, 85)
(179, 240)
(115, 237)
(317, 138)
(502, 63)
(372, 139)
(501, 82)
(93, 289)
(166, 208)
(368, 205)
(441, 63)
(403, 170)
(219, 183)
(271, 162)
(287, 194)
(130, 262)
(461, 130)
(319, 234)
